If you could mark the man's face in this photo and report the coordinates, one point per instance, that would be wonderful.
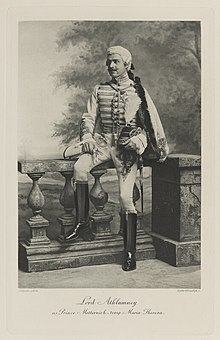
(116, 66)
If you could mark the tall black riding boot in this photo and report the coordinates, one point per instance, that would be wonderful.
(82, 214)
(122, 223)
(130, 242)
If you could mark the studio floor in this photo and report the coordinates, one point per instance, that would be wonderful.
(149, 274)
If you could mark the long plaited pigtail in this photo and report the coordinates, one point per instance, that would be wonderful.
(143, 118)
(130, 73)
(143, 115)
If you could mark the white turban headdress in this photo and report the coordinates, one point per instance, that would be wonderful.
(123, 52)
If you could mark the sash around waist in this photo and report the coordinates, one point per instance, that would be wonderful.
(108, 128)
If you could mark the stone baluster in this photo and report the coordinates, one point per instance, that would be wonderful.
(100, 219)
(67, 200)
(37, 222)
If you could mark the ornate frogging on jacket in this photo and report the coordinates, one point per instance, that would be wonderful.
(112, 107)
(145, 115)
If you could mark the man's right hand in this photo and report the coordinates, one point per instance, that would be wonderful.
(88, 146)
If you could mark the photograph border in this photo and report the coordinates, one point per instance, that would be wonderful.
(198, 314)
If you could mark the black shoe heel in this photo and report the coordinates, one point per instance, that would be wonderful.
(130, 263)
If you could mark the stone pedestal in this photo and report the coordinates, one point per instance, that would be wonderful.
(58, 255)
(176, 209)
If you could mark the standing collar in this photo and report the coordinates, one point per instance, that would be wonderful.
(122, 82)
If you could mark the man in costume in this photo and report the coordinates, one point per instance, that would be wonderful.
(122, 124)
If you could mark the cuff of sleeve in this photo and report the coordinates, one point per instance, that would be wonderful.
(142, 142)
(143, 139)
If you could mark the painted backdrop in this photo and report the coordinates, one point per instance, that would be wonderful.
(60, 62)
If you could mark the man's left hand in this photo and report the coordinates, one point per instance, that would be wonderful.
(137, 143)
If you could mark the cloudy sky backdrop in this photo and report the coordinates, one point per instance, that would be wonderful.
(40, 103)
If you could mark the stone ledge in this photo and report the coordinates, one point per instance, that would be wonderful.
(178, 254)
(57, 165)
(41, 166)
(53, 165)
(185, 160)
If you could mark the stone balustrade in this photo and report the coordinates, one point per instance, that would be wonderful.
(175, 235)
(40, 253)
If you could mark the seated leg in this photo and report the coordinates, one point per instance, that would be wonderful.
(82, 167)
(82, 229)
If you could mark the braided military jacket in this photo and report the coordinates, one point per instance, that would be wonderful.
(112, 106)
